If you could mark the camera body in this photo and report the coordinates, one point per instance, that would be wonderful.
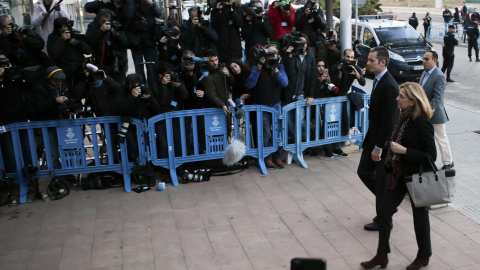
(254, 12)
(116, 25)
(174, 76)
(18, 30)
(169, 34)
(144, 90)
(74, 33)
(347, 66)
(292, 40)
(270, 63)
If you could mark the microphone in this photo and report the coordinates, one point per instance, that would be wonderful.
(239, 114)
(231, 103)
(234, 153)
(239, 102)
(201, 78)
(91, 67)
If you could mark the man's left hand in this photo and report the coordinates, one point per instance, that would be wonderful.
(225, 71)
(309, 101)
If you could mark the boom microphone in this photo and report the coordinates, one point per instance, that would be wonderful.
(231, 103)
(234, 152)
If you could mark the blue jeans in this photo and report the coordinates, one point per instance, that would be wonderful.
(291, 121)
(148, 54)
(267, 132)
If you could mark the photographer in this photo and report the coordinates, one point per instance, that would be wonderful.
(138, 103)
(345, 72)
(282, 17)
(309, 20)
(191, 76)
(256, 29)
(109, 44)
(66, 47)
(329, 50)
(169, 47)
(12, 110)
(217, 84)
(21, 45)
(141, 37)
(227, 20)
(103, 94)
(171, 91)
(197, 33)
(45, 12)
(266, 81)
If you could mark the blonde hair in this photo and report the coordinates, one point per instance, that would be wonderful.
(415, 92)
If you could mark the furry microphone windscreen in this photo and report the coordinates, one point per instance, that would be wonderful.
(234, 152)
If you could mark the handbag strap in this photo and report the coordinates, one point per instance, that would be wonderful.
(432, 163)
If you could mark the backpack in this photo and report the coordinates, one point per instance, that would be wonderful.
(57, 189)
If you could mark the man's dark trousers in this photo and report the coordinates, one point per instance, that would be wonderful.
(472, 43)
(448, 59)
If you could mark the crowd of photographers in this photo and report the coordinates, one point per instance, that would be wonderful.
(290, 55)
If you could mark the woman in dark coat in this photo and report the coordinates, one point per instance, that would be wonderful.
(240, 71)
(427, 21)
(412, 141)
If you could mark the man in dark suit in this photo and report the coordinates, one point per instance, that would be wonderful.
(449, 43)
(433, 82)
(382, 116)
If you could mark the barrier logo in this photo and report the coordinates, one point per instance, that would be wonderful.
(70, 134)
(215, 121)
(68, 137)
(215, 124)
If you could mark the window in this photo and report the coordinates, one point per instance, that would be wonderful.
(367, 36)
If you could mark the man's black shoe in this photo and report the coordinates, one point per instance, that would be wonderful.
(478, 60)
(371, 227)
(450, 80)
(447, 167)
(339, 152)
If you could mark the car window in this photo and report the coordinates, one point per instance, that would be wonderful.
(367, 36)
(398, 36)
(358, 33)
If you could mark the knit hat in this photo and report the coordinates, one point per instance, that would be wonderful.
(55, 73)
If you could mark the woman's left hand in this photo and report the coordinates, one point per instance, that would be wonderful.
(398, 148)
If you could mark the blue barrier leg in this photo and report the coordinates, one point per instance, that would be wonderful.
(261, 158)
(298, 137)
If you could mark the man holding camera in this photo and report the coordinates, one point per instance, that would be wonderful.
(170, 48)
(309, 20)
(345, 72)
(329, 50)
(21, 45)
(282, 17)
(217, 83)
(197, 34)
(109, 45)
(45, 12)
(227, 20)
(266, 81)
(192, 78)
(256, 30)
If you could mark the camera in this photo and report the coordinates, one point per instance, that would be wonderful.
(71, 106)
(294, 41)
(116, 25)
(169, 34)
(254, 12)
(286, 7)
(174, 76)
(76, 35)
(144, 90)
(347, 66)
(270, 63)
(18, 30)
(313, 11)
(195, 59)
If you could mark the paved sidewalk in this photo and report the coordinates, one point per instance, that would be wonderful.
(243, 221)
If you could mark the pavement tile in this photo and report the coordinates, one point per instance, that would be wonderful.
(475, 237)
(272, 188)
(16, 260)
(468, 246)
(222, 236)
(351, 197)
(165, 241)
(368, 239)
(287, 249)
(162, 220)
(182, 199)
(188, 219)
(238, 213)
(317, 246)
(229, 195)
(299, 224)
(347, 216)
(47, 258)
(195, 242)
(294, 187)
(452, 217)
(339, 264)
(308, 203)
(108, 229)
(285, 205)
(250, 192)
(344, 242)
(450, 254)
(232, 258)
(84, 226)
(263, 256)
(76, 257)
(107, 253)
(206, 198)
(466, 227)
(262, 208)
(212, 216)
(326, 222)
(274, 228)
(249, 233)
(170, 261)
(202, 263)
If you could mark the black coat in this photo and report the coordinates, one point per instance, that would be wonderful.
(214, 86)
(419, 140)
(449, 42)
(294, 74)
(142, 39)
(32, 47)
(256, 33)
(383, 112)
(64, 54)
(308, 24)
(105, 55)
(198, 39)
(227, 25)
(170, 98)
(12, 103)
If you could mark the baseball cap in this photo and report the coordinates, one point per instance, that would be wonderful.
(56, 73)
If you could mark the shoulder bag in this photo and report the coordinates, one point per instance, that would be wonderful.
(432, 187)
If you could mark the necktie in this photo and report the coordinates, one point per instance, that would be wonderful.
(375, 81)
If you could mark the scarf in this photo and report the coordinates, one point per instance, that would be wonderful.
(393, 160)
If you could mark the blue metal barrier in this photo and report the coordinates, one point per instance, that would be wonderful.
(330, 122)
(69, 134)
(436, 33)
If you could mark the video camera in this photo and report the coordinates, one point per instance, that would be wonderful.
(195, 59)
(347, 66)
(169, 34)
(18, 30)
(293, 40)
(116, 25)
(270, 63)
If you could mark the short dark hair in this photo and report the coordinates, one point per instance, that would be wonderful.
(163, 67)
(173, 23)
(434, 54)
(104, 12)
(187, 53)
(382, 54)
(346, 50)
(133, 79)
(211, 53)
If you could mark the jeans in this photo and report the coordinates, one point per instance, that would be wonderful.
(267, 132)
(291, 122)
(147, 54)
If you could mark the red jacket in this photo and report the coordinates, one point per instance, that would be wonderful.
(277, 18)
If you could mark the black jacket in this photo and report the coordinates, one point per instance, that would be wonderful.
(106, 99)
(137, 107)
(447, 15)
(64, 54)
(419, 140)
(256, 33)
(12, 103)
(103, 53)
(449, 42)
(46, 107)
(346, 81)
(142, 12)
(214, 86)
(308, 24)
(25, 53)
(198, 39)
(294, 75)
(413, 21)
(383, 112)
(170, 98)
(227, 25)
